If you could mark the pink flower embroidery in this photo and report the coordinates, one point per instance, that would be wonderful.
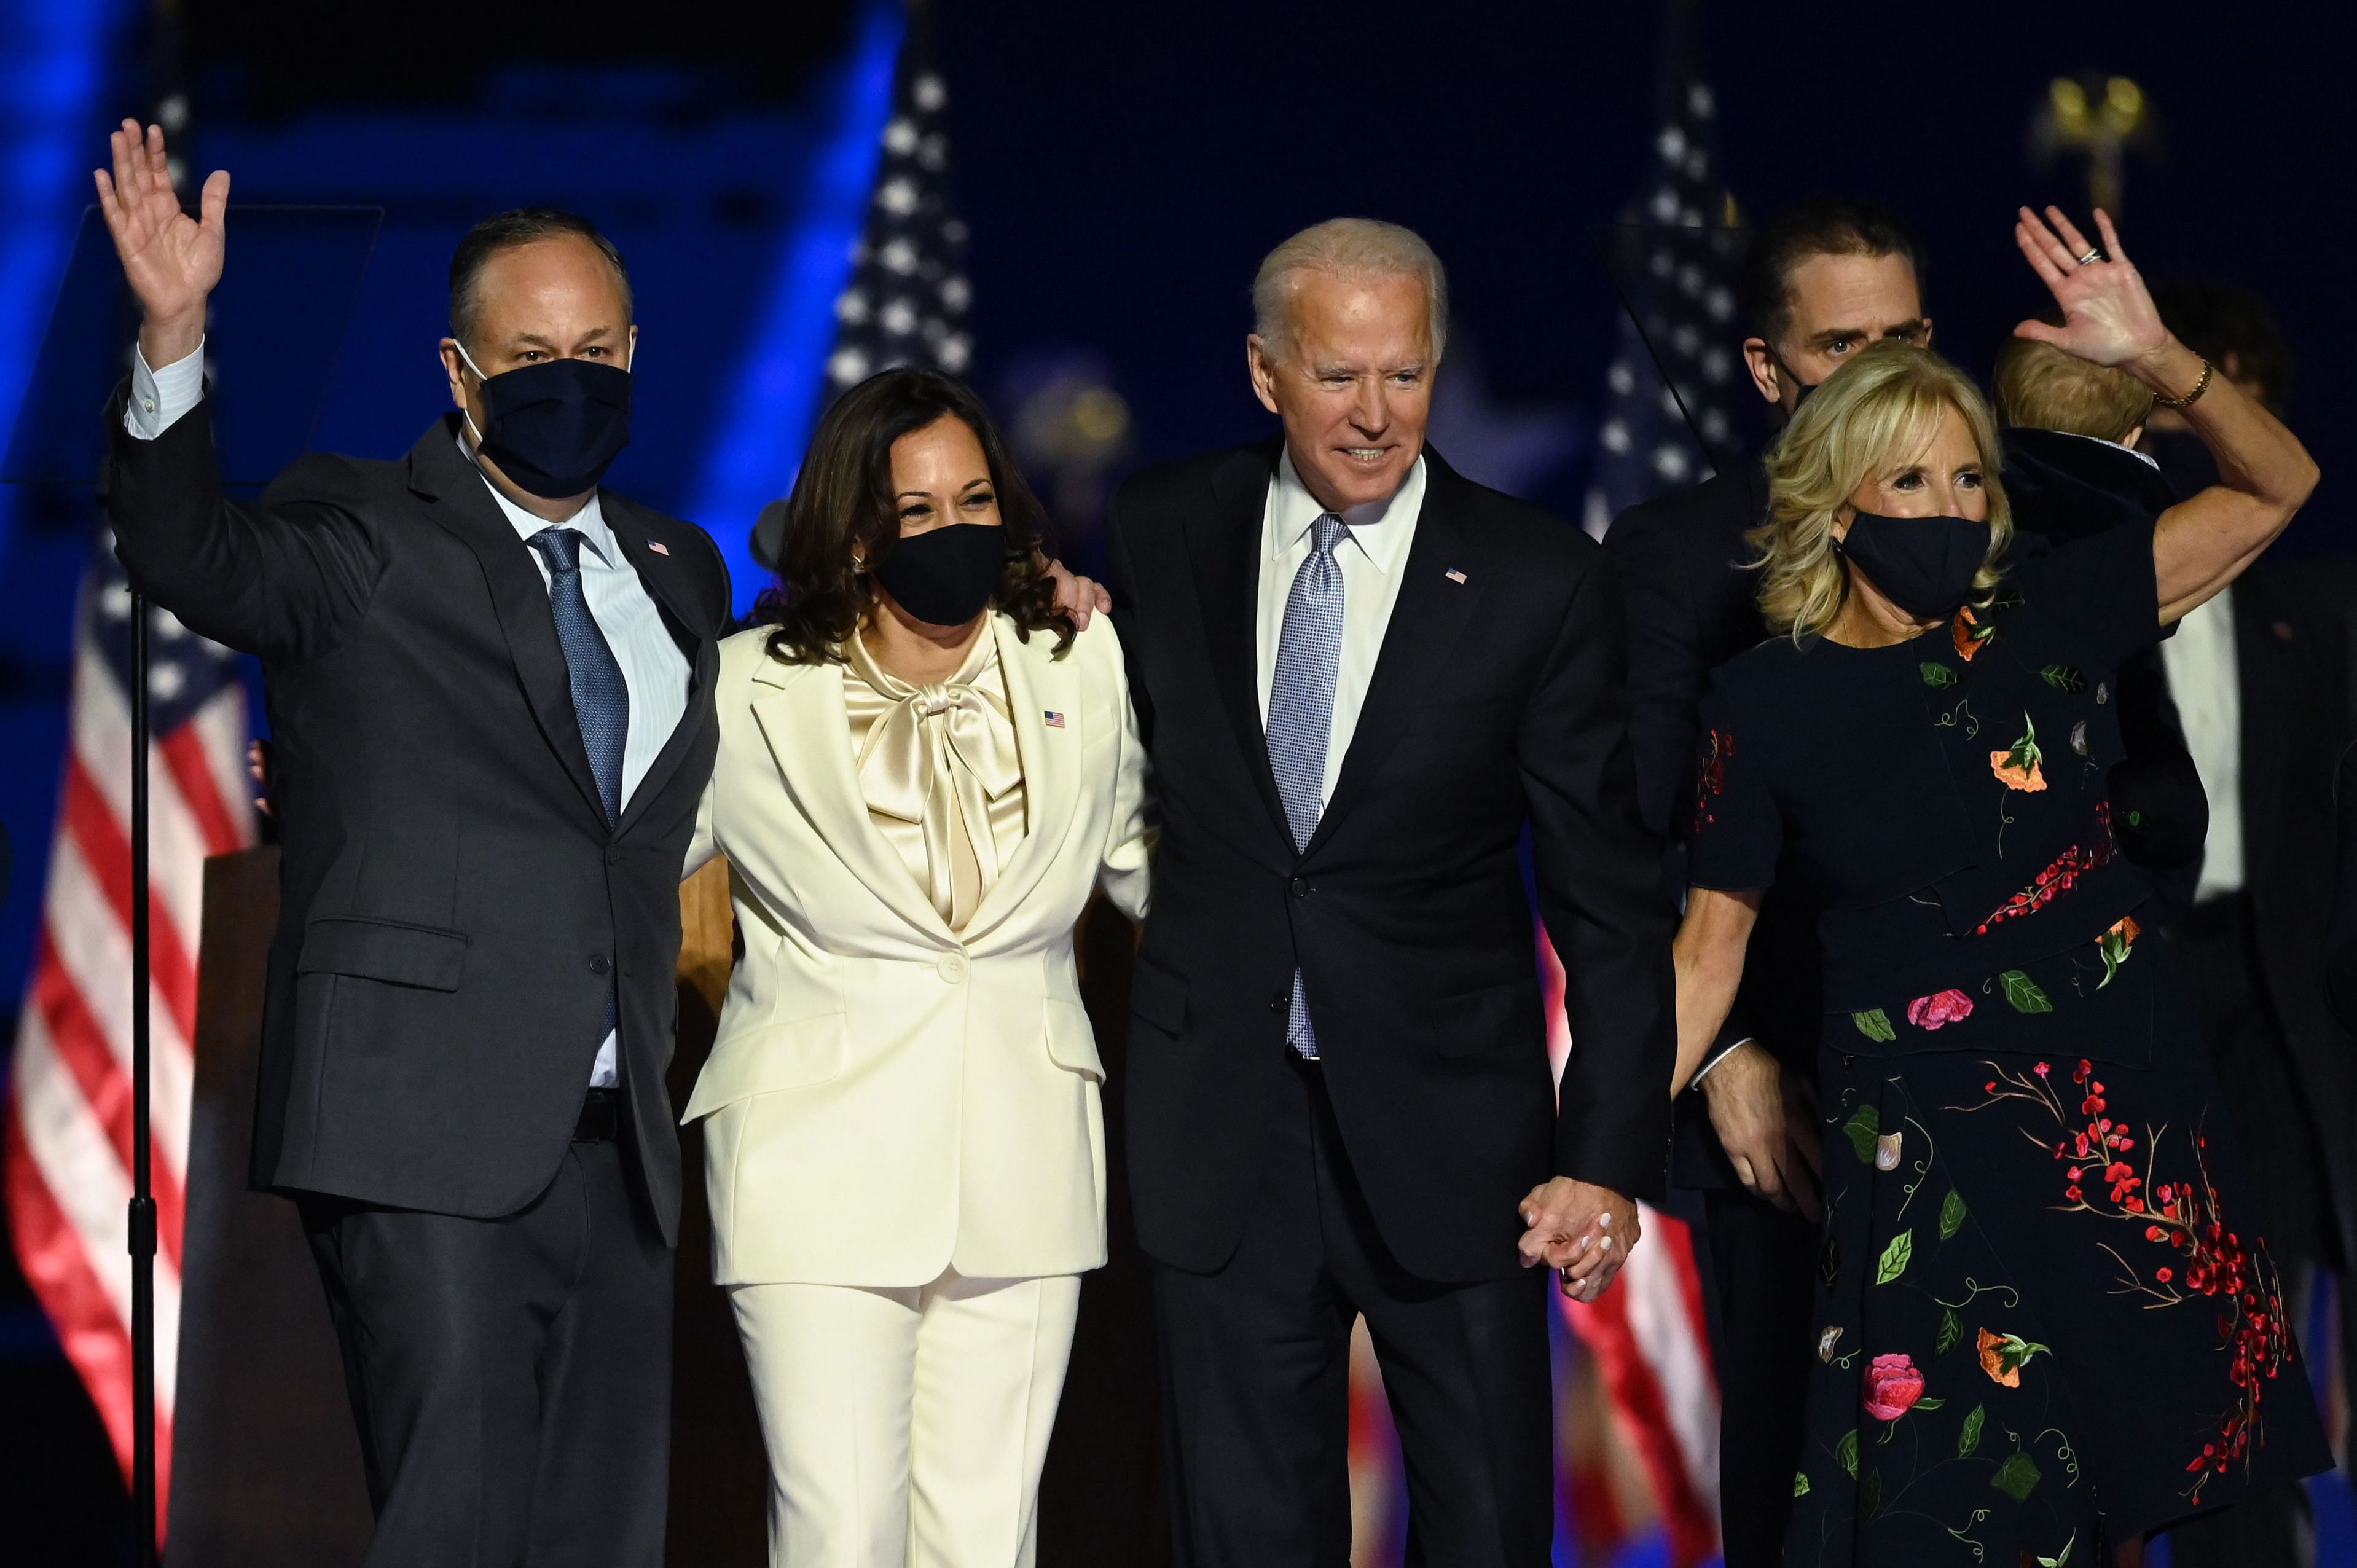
(1892, 1387)
(1943, 1007)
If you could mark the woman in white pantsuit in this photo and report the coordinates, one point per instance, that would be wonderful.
(923, 771)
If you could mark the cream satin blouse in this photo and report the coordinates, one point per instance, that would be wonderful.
(939, 768)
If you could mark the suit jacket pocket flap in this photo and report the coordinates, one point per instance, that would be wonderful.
(764, 1060)
(1072, 1043)
(1157, 996)
(384, 950)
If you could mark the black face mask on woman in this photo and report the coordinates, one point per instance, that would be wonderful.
(945, 577)
(555, 427)
(1925, 565)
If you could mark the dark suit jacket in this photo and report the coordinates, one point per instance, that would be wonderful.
(1692, 608)
(454, 906)
(1497, 703)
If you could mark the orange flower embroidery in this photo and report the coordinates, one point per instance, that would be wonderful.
(2002, 1356)
(1969, 634)
(2115, 945)
(2017, 766)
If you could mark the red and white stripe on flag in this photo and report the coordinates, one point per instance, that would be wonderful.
(68, 1136)
(1652, 1347)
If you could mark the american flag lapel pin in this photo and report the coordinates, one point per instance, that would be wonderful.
(660, 548)
(1454, 575)
(1055, 719)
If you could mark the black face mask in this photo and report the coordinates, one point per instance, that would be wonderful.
(945, 578)
(555, 427)
(1925, 565)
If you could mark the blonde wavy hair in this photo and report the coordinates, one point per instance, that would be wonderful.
(1872, 417)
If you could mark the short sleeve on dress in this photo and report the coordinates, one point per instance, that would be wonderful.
(1737, 830)
(2100, 590)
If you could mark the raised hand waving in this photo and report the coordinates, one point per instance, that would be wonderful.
(171, 260)
(2108, 316)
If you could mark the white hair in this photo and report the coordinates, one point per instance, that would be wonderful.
(1350, 247)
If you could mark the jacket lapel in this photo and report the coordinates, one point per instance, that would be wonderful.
(1037, 684)
(660, 574)
(1431, 609)
(800, 710)
(462, 506)
(1224, 542)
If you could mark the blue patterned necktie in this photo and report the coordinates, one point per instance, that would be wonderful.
(601, 701)
(1301, 713)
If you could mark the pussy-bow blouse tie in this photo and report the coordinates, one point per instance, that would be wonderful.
(937, 756)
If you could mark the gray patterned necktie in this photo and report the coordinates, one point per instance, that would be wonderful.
(601, 700)
(1301, 713)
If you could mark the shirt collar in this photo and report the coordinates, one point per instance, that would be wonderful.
(589, 522)
(1298, 510)
(2147, 458)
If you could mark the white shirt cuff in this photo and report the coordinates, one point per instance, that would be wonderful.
(158, 398)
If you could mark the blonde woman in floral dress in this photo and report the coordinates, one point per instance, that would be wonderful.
(2046, 1328)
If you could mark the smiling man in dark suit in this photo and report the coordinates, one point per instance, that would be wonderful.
(489, 687)
(1361, 678)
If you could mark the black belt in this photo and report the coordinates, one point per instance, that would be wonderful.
(601, 1117)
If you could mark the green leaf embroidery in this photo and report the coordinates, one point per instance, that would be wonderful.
(1864, 1126)
(2024, 993)
(1874, 1023)
(1951, 1217)
(1869, 1493)
(1895, 1258)
(1829, 1262)
(1951, 1330)
(2063, 677)
(1845, 1451)
(1936, 674)
(1799, 1483)
(1930, 1403)
(2016, 1478)
(2063, 1561)
(1970, 1439)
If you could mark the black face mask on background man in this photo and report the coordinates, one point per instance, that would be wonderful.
(1925, 565)
(945, 577)
(555, 427)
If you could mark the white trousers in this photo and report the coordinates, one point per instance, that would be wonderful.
(907, 1427)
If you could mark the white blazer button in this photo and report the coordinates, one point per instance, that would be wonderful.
(952, 968)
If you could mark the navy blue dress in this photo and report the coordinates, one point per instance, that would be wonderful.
(2038, 1299)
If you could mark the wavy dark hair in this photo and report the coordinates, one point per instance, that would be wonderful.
(843, 511)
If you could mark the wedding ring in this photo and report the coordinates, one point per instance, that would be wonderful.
(2094, 255)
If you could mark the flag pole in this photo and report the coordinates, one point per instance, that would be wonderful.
(143, 1200)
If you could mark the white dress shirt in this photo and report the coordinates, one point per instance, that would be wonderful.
(1372, 554)
(2205, 679)
(654, 672)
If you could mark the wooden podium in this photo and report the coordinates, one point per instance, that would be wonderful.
(267, 1470)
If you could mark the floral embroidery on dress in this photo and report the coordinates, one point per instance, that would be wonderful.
(1893, 1387)
(2017, 766)
(2115, 944)
(2208, 1262)
(2004, 1355)
(1968, 634)
(1940, 1008)
(1711, 781)
(2058, 879)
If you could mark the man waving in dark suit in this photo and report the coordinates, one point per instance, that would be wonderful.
(1361, 678)
(489, 687)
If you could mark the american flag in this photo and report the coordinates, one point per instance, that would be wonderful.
(905, 301)
(907, 295)
(68, 1135)
(1675, 370)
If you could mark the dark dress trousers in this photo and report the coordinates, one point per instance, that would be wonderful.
(457, 911)
(1690, 608)
(1280, 1199)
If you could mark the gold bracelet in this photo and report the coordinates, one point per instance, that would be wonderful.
(2198, 388)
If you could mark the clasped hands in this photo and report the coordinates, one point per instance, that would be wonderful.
(1581, 1230)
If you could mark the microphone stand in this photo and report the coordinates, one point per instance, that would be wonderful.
(143, 1199)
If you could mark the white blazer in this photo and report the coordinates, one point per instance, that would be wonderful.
(887, 1100)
